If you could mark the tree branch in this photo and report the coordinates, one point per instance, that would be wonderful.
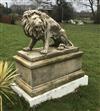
(86, 5)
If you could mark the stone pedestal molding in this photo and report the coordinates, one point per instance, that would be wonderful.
(51, 94)
(41, 73)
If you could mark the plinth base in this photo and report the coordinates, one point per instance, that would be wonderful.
(52, 94)
(41, 73)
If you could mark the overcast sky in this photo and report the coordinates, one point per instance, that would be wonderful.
(76, 5)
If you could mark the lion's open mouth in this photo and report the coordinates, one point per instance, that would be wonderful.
(33, 25)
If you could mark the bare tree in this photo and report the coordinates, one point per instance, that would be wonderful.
(92, 4)
(98, 12)
(92, 7)
(60, 5)
(43, 3)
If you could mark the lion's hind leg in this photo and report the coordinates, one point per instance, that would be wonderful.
(55, 42)
(64, 39)
(64, 43)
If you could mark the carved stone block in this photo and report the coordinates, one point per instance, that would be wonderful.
(40, 73)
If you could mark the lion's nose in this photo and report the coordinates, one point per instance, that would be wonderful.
(36, 26)
(40, 22)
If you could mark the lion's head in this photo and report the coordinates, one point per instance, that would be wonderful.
(34, 24)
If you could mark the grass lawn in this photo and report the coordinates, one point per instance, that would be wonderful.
(86, 37)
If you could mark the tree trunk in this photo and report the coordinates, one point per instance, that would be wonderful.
(92, 9)
(93, 12)
(0, 103)
(97, 20)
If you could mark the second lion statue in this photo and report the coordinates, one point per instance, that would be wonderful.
(39, 26)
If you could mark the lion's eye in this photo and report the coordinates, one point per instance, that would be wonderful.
(34, 18)
(25, 16)
(29, 15)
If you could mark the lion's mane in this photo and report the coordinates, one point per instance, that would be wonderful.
(30, 25)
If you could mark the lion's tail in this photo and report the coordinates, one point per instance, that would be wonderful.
(70, 43)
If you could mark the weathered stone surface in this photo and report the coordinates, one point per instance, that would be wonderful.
(39, 26)
(58, 92)
(40, 73)
(35, 55)
(46, 86)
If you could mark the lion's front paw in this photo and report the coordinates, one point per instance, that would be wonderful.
(44, 51)
(27, 49)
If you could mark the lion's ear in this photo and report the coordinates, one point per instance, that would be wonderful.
(44, 15)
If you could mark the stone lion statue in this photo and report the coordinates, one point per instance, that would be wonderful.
(39, 26)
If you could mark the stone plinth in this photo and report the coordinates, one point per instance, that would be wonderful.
(41, 73)
(51, 94)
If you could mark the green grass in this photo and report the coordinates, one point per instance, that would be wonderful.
(87, 38)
